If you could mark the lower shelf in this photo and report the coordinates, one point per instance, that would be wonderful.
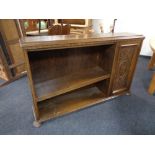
(70, 102)
(69, 82)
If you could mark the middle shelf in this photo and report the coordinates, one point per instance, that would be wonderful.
(60, 85)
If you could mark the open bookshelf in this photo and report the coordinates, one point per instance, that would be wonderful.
(70, 102)
(67, 73)
(60, 74)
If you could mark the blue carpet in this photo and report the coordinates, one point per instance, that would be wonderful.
(133, 114)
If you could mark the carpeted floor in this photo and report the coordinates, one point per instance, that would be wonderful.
(133, 114)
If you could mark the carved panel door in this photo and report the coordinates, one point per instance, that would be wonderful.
(125, 65)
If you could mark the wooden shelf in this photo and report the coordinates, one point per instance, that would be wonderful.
(64, 84)
(70, 102)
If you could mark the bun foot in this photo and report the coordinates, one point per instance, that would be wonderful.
(36, 124)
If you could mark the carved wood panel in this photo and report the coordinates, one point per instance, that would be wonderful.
(124, 66)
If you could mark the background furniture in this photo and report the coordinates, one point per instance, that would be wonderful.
(5, 72)
(77, 26)
(151, 89)
(11, 36)
(151, 64)
(152, 61)
(67, 73)
(35, 26)
(59, 29)
(11, 54)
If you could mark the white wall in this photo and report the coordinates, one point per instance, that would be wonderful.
(145, 26)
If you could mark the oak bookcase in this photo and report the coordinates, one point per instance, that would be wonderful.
(67, 73)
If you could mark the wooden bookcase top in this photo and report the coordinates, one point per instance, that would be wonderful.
(69, 41)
